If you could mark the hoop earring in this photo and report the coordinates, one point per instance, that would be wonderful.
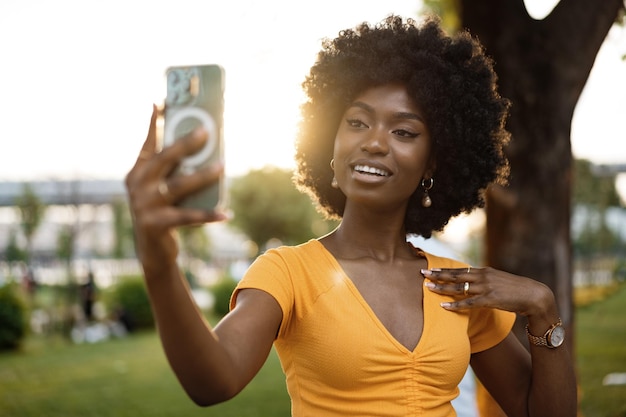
(427, 184)
(332, 164)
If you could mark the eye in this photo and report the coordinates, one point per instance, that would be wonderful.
(356, 123)
(403, 133)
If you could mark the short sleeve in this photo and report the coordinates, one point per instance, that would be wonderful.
(269, 273)
(488, 327)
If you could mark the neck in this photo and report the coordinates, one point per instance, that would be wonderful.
(380, 237)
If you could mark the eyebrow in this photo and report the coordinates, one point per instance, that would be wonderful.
(399, 115)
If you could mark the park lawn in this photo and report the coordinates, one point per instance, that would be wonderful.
(130, 377)
(600, 350)
(120, 378)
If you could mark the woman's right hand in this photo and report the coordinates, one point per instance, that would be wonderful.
(212, 365)
(153, 193)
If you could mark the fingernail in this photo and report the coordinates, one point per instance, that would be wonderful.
(429, 284)
(426, 272)
(446, 305)
(220, 217)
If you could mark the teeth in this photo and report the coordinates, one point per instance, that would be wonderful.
(371, 170)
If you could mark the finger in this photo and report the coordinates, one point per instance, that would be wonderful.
(148, 149)
(150, 144)
(197, 217)
(163, 163)
(466, 303)
(449, 274)
(169, 217)
(171, 156)
(182, 185)
(456, 289)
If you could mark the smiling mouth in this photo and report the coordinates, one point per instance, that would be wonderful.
(364, 169)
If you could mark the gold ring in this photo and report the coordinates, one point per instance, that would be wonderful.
(164, 190)
(466, 288)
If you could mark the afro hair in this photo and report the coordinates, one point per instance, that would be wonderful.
(449, 77)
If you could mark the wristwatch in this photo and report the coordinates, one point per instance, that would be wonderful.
(552, 338)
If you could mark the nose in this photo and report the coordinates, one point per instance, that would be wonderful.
(376, 142)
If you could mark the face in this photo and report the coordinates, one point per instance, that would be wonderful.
(382, 148)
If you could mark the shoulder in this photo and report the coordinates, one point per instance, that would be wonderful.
(445, 256)
(293, 255)
(289, 265)
(435, 261)
(295, 276)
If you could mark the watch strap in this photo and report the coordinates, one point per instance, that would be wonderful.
(542, 340)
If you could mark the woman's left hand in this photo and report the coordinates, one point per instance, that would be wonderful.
(488, 287)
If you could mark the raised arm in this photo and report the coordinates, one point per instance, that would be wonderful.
(212, 365)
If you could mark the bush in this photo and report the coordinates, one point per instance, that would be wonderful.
(130, 303)
(13, 317)
(222, 292)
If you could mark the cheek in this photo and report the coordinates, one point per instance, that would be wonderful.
(415, 169)
(337, 161)
(415, 160)
(336, 146)
(341, 149)
(415, 184)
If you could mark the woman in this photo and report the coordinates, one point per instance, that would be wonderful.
(402, 130)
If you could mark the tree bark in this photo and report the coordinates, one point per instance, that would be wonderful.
(542, 68)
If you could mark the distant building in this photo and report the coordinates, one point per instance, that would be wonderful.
(86, 205)
(65, 192)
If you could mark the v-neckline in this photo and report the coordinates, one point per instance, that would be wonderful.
(370, 311)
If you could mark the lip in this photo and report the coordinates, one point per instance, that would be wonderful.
(372, 166)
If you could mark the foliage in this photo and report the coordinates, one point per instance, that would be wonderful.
(122, 230)
(130, 298)
(13, 252)
(222, 292)
(593, 189)
(593, 193)
(194, 242)
(589, 294)
(65, 244)
(13, 317)
(596, 238)
(447, 10)
(267, 205)
(31, 211)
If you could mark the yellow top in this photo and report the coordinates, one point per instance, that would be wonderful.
(339, 359)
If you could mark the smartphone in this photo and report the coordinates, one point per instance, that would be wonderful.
(195, 97)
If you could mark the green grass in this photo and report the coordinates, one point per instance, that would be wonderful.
(119, 378)
(600, 350)
(130, 377)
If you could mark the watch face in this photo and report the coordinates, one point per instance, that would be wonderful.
(557, 336)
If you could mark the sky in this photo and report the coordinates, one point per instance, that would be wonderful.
(79, 78)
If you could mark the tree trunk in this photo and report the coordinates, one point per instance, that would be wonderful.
(542, 67)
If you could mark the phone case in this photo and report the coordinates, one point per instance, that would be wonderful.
(195, 97)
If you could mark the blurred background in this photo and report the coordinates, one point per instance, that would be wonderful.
(78, 82)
